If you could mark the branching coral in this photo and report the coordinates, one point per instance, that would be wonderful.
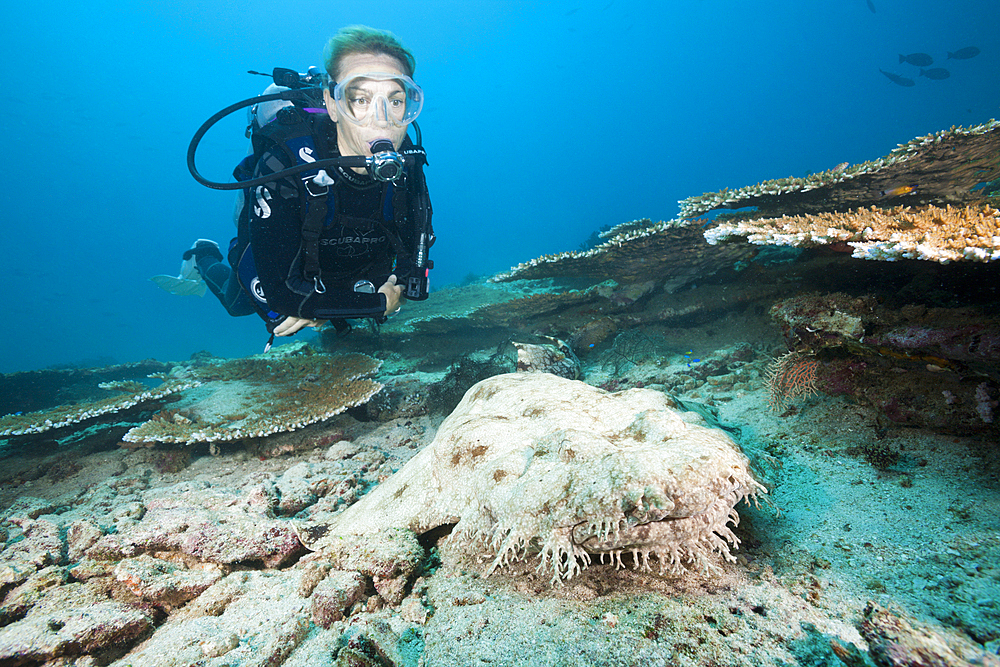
(940, 234)
(530, 463)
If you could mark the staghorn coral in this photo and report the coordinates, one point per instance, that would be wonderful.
(948, 234)
(259, 396)
(530, 462)
(944, 167)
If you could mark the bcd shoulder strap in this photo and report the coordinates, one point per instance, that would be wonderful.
(302, 138)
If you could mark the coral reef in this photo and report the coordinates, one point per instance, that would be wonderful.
(939, 234)
(133, 394)
(531, 461)
(302, 548)
(942, 168)
(259, 396)
(33, 391)
(917, 366)
(643, 250)
(221, 400)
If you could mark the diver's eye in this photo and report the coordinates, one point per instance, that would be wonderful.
(397, 103)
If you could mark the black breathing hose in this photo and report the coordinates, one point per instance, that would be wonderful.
(288, 95)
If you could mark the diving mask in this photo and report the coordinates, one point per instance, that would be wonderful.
(384, 98)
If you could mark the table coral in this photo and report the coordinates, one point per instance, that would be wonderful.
(948, 166)
(259, 396)
(34, 391)
(129, 395)
(283, 390)
(673, 249)
(532, 462)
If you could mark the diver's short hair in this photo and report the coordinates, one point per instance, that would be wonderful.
(362, 39)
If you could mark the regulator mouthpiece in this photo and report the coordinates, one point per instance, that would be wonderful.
(385, 164)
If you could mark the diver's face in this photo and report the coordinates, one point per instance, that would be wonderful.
(355, 139)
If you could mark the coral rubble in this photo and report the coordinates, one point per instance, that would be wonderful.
(531, 461)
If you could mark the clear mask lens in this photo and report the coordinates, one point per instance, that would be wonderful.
(379, 98)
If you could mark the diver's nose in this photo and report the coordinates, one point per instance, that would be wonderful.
(382, 112)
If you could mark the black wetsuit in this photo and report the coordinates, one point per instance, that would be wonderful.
(353, 245)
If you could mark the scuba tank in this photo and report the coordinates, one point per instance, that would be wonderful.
(262, 113)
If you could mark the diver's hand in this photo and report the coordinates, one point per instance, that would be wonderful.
(292, 325)
(393, 295)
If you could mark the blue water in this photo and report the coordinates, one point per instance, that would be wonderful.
(544, 121)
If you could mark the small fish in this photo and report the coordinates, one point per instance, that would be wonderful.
(935, 73)
(871, 5)
(918, 59)
(897, 79)
(898, 191)
(964, 54)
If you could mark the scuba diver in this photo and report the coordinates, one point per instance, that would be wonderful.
(333, 215)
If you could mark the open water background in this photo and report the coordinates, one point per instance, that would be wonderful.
(544, 121)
